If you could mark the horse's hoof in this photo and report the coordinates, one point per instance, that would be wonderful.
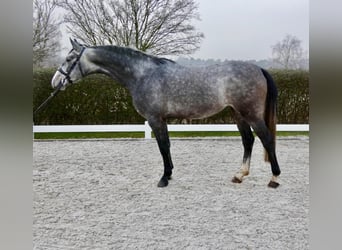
(273, 184)
(163, 182)
(236, 180)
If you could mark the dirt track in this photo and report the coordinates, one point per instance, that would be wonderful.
(102, 194)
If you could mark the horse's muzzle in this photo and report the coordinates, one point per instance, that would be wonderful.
(58, 80)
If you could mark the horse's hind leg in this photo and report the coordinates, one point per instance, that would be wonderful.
(159, 128)
(247, 141)
(268, 142)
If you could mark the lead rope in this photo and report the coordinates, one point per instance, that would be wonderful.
(52, 95)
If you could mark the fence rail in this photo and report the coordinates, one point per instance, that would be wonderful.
(147, 129)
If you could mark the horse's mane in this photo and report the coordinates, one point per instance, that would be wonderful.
(136, 54)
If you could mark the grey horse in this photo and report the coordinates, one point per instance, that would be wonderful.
(162, 89)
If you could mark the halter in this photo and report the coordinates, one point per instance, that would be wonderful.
(73, 65)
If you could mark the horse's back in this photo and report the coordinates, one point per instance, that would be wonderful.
(227, 82)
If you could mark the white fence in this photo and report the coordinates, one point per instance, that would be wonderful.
(147, 129)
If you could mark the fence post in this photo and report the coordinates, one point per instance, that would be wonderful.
(147, 131)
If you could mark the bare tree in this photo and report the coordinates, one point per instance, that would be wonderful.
(161, 27)
(45, 31)
(288, 53)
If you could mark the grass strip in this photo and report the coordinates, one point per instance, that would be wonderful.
(98, 135)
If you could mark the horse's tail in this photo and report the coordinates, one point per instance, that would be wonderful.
(270, 107)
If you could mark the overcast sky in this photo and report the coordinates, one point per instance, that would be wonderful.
(246, 29)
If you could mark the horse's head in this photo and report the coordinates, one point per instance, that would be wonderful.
(71, 69)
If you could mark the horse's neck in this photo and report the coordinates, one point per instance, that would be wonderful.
(121, 67)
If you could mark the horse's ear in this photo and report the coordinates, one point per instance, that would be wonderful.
(76, 46)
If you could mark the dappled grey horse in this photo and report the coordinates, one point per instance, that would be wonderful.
(162, 89)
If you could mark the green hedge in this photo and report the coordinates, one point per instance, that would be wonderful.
(97, 99)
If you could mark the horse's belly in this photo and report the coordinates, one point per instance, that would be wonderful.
(193, 111)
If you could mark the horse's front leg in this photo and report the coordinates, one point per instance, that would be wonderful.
(159, 128)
